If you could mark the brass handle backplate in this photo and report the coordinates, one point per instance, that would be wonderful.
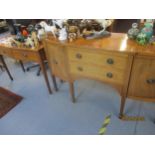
(80, 68)
(110, 61)
(109, 75)
(78, 55)
(150, 81)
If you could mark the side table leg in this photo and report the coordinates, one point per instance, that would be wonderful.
(21, 63)
(71, 87)
(54, 82)
(5, 66)
(42, 65)
(61, 81)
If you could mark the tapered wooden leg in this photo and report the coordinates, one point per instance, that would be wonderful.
(1, 67)
(42, 65)
(21, 63)
(61, 81)
(5, 66)
(123, 99)
(71, 87)
(54, 83)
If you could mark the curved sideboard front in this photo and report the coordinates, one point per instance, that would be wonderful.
(124, 66)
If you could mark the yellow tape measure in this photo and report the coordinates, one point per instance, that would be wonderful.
(133, 118)
(106, 122)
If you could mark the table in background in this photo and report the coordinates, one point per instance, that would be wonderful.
(25, 54)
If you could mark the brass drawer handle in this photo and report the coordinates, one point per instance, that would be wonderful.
(109, 75)
(150, 81)
(78, 55)
(80, 69)
(110, 61)
(55, 62)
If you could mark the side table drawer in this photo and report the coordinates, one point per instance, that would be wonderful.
(26, 55)
(6, 52)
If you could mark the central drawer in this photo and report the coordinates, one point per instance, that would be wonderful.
(96, 72)
(98, 57)
(26, 55)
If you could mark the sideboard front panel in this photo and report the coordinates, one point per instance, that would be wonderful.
(142, 83)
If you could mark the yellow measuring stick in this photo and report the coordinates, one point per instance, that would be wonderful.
(133, 118)
(106, 122)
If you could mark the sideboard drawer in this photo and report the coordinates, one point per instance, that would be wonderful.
(26, 55)
(101, 58)
(96, 72)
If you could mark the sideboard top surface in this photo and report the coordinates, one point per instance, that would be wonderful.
(117, 42)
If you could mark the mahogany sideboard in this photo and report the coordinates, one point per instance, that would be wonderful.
(116, 60)
(25, 54)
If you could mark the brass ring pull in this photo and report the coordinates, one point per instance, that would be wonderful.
(110, 61)
(150, 81)
(80, 68)
(109, 75)
(78, 55)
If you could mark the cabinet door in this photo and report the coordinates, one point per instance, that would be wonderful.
(142, 83)
(57, 60)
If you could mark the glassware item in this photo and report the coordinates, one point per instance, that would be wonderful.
(41, 34)
(142, 39)
(24, 31)
(17, 28)
(148, 30)
(154, 28)
(30, 29)
(134, 31)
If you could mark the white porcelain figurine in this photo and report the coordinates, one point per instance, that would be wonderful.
(48, 28)
(41, 34)
(63, 34)
(105, 22)
(59, 22)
